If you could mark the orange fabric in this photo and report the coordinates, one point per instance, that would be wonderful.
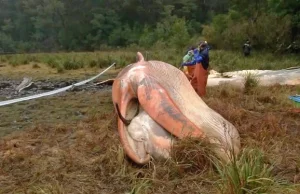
(295, 110)
(199, 79)
(185, 71)
(190, 72)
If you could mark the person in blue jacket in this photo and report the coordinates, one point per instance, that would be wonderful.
(201, 64)
(201, 55)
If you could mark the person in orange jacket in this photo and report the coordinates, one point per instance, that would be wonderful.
(200, 64)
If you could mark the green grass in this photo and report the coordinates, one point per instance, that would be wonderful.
(247, 174)
(220, 60)
(70, 61)
(223, 61)
(251, 81)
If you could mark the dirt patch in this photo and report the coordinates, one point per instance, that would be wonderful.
(9, 87)
(69, 106)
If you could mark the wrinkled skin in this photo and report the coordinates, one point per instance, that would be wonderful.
(155, 102)
(147, 137)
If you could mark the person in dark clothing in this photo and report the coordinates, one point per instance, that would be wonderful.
(247, 48)
(204, 53)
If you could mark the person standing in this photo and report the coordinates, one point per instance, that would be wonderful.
(200, 72)
(188, 70)
(247, 48)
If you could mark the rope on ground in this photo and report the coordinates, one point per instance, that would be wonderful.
(7, 102)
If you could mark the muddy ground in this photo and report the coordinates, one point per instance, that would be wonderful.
(8, 87)
(16, 117)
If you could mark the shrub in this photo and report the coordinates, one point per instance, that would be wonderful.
(35, 66)
(93, 63)
(251, 81)
(248, 174)
(231, 30)
(52, 63)
(60, 68)
(69, 65)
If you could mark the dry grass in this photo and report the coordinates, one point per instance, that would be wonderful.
(67, 108)
(85, 156)
(43, 71)
(264, 121)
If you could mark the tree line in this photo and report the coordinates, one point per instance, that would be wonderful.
(87, 25)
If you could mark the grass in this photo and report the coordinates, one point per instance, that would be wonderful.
(221, 60)
(251, 81)
(69, 143)
(248, 174)
(71, 61)
(82, 154)
(65, 108)
(42, 71)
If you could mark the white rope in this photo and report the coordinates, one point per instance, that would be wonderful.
(3, 103)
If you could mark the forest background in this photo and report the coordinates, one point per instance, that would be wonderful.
(90, 25)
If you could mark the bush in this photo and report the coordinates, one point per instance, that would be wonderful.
(248, 174)
(93, 63)
(171, 32)
(69, 65)
(3, 59)
(60, 69)
(52, 63)
(251, 81)
(230, 31)
(35, 66)
(102, 62)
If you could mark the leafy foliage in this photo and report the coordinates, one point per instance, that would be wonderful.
(53, 25)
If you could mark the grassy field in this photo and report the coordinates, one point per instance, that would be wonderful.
(220, 60)
(69, 143)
